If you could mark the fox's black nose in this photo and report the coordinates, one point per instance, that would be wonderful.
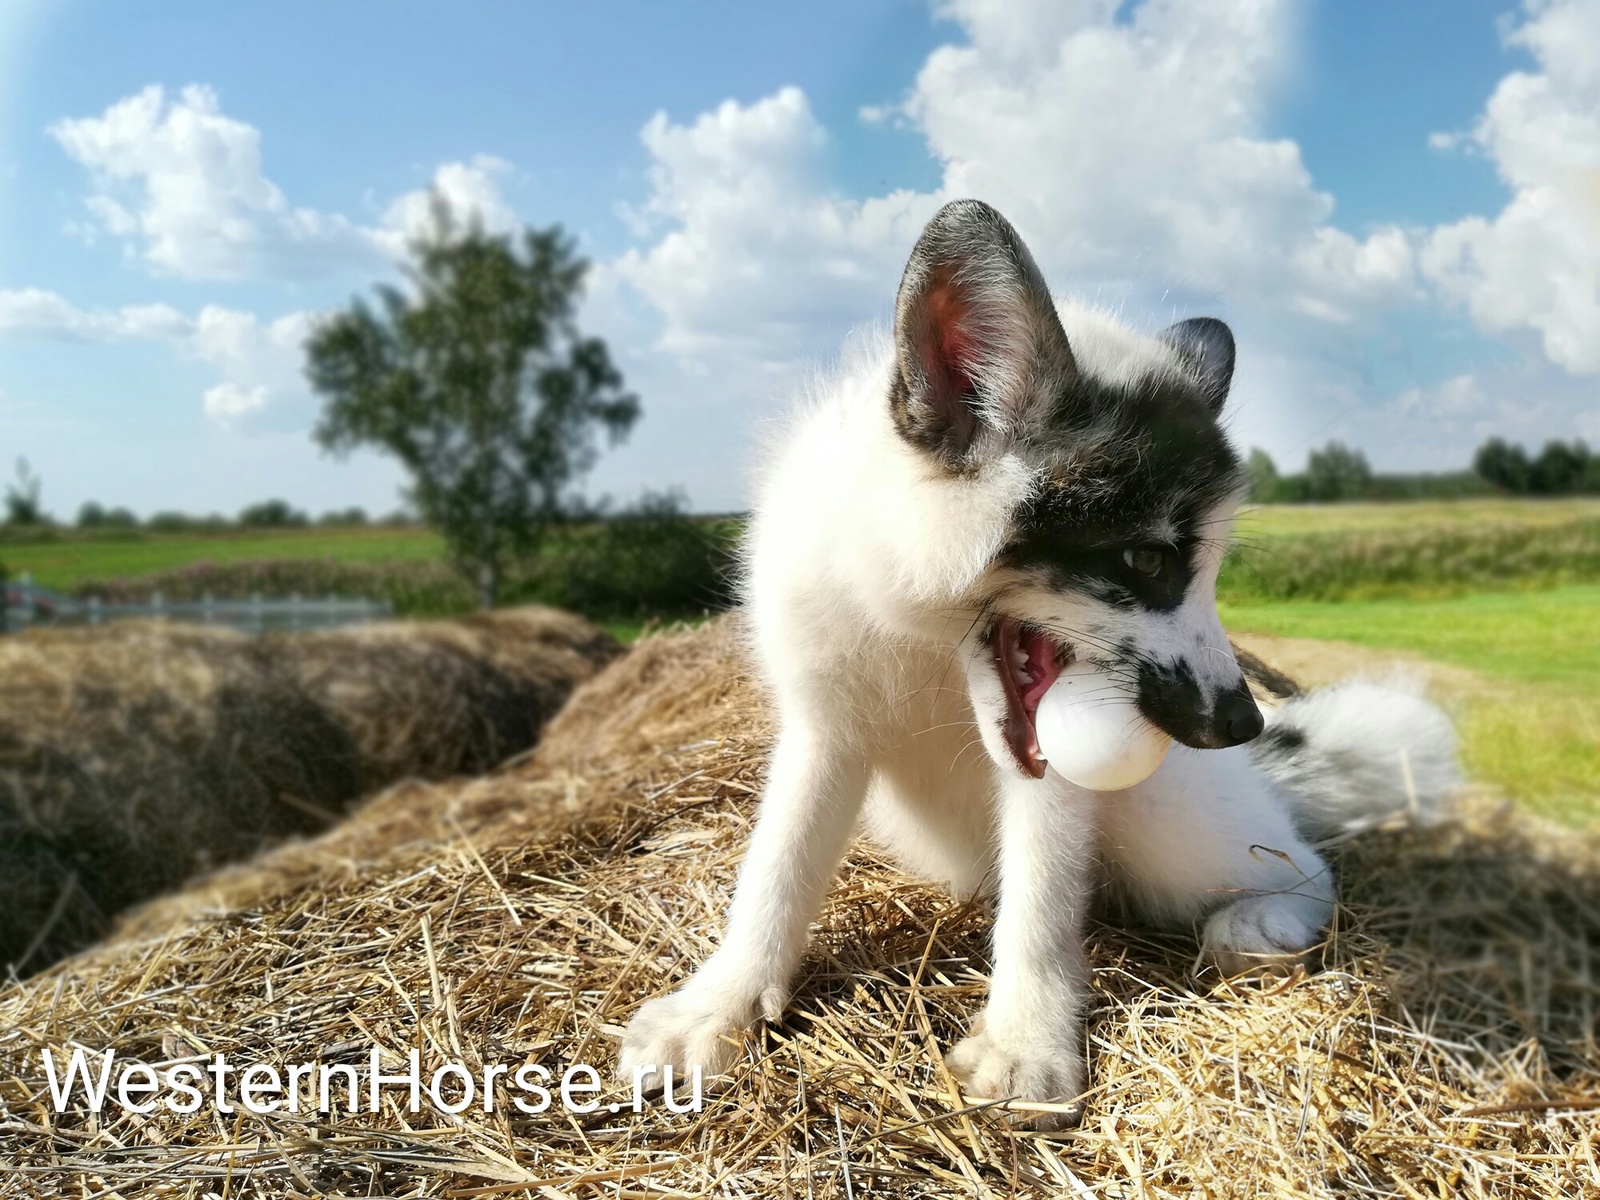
(1238, 719)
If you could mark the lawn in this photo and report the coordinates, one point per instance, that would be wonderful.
(1532, 726)
(75, 558)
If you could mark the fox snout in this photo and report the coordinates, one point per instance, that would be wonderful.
(1172, 699)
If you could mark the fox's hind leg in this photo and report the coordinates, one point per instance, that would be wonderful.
(1208, 840)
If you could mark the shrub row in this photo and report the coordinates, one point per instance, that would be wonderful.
(627, 568)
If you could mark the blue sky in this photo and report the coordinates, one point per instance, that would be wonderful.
(1395, 205)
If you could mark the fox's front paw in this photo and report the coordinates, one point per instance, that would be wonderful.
(692, 1028)
(1264, 934)
(1028, 1069)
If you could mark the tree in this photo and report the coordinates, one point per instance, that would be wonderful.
(94, 515)
(1336, 472)
(1503, 464)
(272, 514)
(1560, 468)
(1263, 473)
(478, 381)
(22, 497)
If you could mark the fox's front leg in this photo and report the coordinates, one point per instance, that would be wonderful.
(1028, 1044)
(808, 812)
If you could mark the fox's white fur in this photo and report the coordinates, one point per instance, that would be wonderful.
(872, 584)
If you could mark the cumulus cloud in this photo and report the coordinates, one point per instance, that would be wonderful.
(182, 184)
(1120, 137)
(1110, 142)
(1535, 267)
(258, 361)
(35, 312)
(750, 255)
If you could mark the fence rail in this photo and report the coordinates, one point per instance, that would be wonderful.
(26, 604)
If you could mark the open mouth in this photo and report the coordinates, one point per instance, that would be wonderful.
(1028, 661)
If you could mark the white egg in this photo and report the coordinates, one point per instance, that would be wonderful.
(1092, 733)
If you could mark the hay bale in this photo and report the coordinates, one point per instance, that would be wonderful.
(135, 756)
(432, 699)
(1446, 1047)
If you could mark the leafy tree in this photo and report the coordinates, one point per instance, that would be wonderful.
(272, 514)
(343, 517)
(478, 381)
(1503, 464)
(1264, 481)
(1337, 472)
(94, 515)
(22, 497)
(1560, 468)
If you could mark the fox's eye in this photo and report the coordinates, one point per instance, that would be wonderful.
(1145, 561)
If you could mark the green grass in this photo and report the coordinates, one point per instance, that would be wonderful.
(75, 559)
(1281, 520)
(1533, 725)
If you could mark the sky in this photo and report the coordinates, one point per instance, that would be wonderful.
(1395, 206)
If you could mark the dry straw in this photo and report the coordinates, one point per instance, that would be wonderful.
(1445, 1047)
(133, 756)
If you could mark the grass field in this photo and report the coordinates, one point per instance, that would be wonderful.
(75, 559)
(1279, 520)
(1530, 718)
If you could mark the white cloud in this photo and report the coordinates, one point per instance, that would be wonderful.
(754, 256)
(182, 184)
(39, 313)
(469, 189)
(227, 401)
(1535, 267)
(257, 361)
(1118, 147)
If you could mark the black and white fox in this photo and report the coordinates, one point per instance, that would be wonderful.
(1010, 483)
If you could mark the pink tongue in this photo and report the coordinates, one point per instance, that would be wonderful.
(1041, 666)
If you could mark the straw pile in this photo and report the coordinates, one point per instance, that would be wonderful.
(1446, 1047)
(134, 756)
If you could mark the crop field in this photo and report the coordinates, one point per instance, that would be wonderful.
(1526, 696)
(72, 559)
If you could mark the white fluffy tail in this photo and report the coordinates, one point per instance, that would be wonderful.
(1358, 752)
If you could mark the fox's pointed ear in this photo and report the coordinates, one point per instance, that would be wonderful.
(1206, 345)
(976, 334)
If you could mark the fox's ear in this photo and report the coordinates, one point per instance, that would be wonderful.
(1206, 345)
(976, 334)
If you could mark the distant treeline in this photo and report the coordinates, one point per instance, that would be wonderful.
(269, 514)
(1339, 472)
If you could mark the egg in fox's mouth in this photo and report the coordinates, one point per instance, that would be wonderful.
(1028, 660)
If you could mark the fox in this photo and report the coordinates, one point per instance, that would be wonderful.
(1005, 483)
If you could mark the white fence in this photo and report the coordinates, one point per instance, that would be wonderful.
(28, 604)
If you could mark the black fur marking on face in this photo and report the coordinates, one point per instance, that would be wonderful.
(1122, 469)
(1170, 697)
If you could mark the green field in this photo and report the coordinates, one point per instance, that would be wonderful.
(73, 559)
(1530, 712)
(1280, 520)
